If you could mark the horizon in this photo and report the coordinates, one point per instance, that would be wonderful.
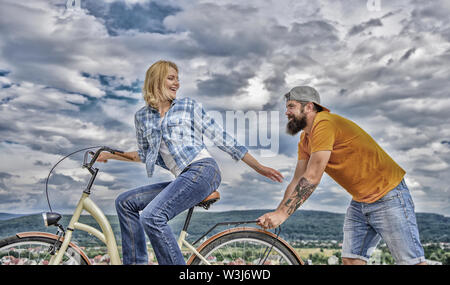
(204, 211)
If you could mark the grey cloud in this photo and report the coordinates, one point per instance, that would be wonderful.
(276, 83)
(59, 179)
(257, 193)
(119, 16)
(429, 17)
(318, 33)
(4, 72)
(424, 171)
(114, 185)
(322, 199)
(8, 198)
(357, 29)
(4, 176)
(249, 195)
(427, 10)
(41, 163)
(364, 26)
(224, 84)
(273, 83)
(223, 36)
(51, 132)
(289, 144)
(253, 177)
(408, 54)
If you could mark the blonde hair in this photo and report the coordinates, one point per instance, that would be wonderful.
(154, 90)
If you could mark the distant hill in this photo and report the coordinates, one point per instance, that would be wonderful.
(303, 225)
(7, 216)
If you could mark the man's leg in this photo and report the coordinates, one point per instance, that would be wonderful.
(360, 239)
(394, 219)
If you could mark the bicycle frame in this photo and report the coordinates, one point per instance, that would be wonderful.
(182, 238)
(106, 236)
(182, 241)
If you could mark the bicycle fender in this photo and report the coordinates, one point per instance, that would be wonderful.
(229, 231)
(55, 237)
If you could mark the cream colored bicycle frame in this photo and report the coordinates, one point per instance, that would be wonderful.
(106, 236)
(182, 241)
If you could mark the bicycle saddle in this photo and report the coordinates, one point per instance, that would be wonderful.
(208, 201)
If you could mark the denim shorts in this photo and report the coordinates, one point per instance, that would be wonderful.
(390, 218)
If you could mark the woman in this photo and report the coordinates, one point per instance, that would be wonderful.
(170, 134)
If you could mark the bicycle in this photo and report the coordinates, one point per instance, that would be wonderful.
(238, 245)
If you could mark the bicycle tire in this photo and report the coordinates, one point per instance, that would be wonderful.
(34, 250)
(273, 246)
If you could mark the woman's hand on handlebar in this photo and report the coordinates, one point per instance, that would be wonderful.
(104, 156)
(127, 156)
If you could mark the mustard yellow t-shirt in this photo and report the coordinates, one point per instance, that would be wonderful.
(357, 162)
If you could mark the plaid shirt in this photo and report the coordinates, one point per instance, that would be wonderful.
(182, 129)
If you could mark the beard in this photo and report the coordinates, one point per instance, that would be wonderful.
(296, 125)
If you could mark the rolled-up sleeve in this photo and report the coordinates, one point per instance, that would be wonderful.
(142, 142)
(214, 131)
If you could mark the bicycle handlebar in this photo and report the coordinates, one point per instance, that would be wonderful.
(85, 164)
(96, 154)
(89, 165)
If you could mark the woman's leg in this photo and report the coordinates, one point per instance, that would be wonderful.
(192, 186)
(128, 205)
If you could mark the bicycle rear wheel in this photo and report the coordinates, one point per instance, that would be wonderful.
(246, 246)
(35, 250)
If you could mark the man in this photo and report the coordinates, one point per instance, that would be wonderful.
(381, 206)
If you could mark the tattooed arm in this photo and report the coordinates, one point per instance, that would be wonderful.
(298, 174)
(298, 190)
(302, 192)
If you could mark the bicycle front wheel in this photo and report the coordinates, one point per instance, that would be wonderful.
(246, 246)
(34, 249)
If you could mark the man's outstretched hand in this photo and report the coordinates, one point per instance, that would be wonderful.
(272, 220)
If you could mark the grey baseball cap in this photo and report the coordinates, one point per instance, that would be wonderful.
(304, 93)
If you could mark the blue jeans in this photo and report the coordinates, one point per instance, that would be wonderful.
(390, 218)
(158, 204)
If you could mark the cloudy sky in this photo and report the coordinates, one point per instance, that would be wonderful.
(71, 77)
